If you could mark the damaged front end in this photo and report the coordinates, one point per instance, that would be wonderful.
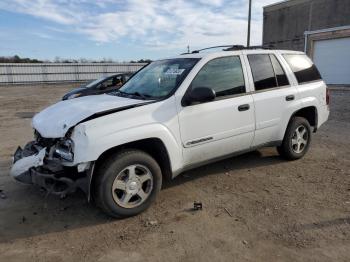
(46, 162)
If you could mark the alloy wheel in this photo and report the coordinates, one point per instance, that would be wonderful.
(300, 139)
(132, 186)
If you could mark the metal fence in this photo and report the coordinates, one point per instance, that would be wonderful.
(61, 72)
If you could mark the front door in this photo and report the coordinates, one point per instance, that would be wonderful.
(214, 129)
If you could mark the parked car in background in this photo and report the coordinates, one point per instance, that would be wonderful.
(99, 86)
(173, 115)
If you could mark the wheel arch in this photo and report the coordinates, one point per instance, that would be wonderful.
(155, 147)
(310, 113)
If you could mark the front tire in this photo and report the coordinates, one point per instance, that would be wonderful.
(127, 183)
(296, 140)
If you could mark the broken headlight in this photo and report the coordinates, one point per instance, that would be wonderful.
(64, 150)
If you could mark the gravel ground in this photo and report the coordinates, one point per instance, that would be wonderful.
(256, 207)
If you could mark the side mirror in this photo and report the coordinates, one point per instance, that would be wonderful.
(200, 95)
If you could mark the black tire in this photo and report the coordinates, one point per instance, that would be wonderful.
(287, 150)
(109, 170)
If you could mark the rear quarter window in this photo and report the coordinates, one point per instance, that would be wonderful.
(303, 68)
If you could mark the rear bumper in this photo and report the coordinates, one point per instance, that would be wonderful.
(323, 115)
(34, 168)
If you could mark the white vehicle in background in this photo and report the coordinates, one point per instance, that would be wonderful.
(173, 115)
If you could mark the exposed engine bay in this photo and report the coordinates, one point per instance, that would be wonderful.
(45, 162)
(49, 160)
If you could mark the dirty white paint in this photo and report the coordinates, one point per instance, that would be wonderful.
(24, 164)
(229, 129)
(55, 121)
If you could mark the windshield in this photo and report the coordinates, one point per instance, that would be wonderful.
(95, 82)
(159, 79)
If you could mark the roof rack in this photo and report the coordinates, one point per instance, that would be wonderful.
(241, 47)
(212, 47)
(230, 48)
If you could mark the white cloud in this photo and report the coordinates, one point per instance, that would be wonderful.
(211, 2)
(49, 10)
(171, 24)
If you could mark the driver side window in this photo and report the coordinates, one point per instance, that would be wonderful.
(107, 84)
(224, 75)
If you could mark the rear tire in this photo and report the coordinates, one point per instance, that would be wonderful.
(296, 140)
(127, 183)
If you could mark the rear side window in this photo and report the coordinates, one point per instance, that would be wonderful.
(267, 72)
(224, 75)
(304, 70)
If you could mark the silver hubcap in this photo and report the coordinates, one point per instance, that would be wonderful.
(132, 186)
(300, 139)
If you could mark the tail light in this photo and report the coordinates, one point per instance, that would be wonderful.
(328, 92)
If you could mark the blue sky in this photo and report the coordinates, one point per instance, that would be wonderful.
(122, 29)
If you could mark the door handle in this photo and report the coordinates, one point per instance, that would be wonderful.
(290, 98)
(243, 107)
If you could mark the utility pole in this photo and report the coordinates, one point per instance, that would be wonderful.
(249, 21)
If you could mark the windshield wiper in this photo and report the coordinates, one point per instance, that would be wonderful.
(118, 93)
(137, 94)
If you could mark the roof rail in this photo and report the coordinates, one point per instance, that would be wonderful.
(230, 48)
(212, 47)
(241, 47)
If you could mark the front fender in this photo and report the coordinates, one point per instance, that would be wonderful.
(89, 147)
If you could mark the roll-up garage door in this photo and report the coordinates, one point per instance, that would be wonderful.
(332, 58)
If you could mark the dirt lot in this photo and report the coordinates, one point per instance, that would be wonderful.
(280, 211)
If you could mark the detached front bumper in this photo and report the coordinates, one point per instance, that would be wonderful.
(32, 166)
(22, 165)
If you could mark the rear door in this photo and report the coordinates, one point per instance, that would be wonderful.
(225, 125)
(274, 97)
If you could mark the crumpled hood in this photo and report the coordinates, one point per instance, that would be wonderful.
(55, 120)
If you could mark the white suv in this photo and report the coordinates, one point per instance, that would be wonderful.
(173, 115)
